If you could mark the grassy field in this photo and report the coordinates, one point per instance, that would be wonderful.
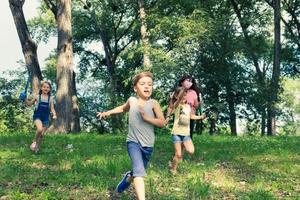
(90, 166)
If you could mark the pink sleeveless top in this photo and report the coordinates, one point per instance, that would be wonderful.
(191, 97)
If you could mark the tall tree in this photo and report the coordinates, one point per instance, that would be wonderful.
(29, 47)
(112, 25)
(245, 23)
(291, 34)
(144, 34)
(274, 86)
(66, 98)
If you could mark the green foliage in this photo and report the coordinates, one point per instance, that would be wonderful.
(43, 26)
(201, 38)
(49, 72)
(14, 116)
(90, 168)
(197, 189)
(290, 107)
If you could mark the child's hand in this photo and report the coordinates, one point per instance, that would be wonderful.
(54, 117)
(167, 120)
(103, 115)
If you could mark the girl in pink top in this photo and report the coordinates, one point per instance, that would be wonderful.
(193, 96)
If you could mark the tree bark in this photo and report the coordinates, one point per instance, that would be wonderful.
(67, 107)
(274, 87)
(263, 122)
(75, 122)
(232, 114)
(29, 47)
(144, 34)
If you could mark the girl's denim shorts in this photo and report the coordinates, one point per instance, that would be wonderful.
(180, 138)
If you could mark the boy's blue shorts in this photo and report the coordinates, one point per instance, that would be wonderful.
(140, 157)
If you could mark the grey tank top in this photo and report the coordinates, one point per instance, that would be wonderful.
(140, 131)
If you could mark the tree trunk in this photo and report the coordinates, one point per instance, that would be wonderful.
(263, 122)
(29, 47)
(274, 87)
(75, 123)
(232, 114)
(116, 119)
(271, 123)
(66, 100)
(144, 34)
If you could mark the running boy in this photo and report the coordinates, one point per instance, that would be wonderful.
(144, 114)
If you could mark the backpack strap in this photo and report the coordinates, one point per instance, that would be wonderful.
(38, 103)
(49, 100)
(40, 99)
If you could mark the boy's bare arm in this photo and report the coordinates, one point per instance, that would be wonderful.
(116, 110)
(159, 120)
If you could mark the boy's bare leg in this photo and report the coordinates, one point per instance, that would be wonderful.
(139, 186)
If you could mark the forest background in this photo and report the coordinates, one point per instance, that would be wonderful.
(243, 54)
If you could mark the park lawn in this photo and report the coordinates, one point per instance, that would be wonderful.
(88, 166)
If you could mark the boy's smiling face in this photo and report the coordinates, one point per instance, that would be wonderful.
(143, 88)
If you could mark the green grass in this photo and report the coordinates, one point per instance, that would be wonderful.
(221, 168)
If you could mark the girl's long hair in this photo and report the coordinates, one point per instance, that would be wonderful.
(177, 96)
